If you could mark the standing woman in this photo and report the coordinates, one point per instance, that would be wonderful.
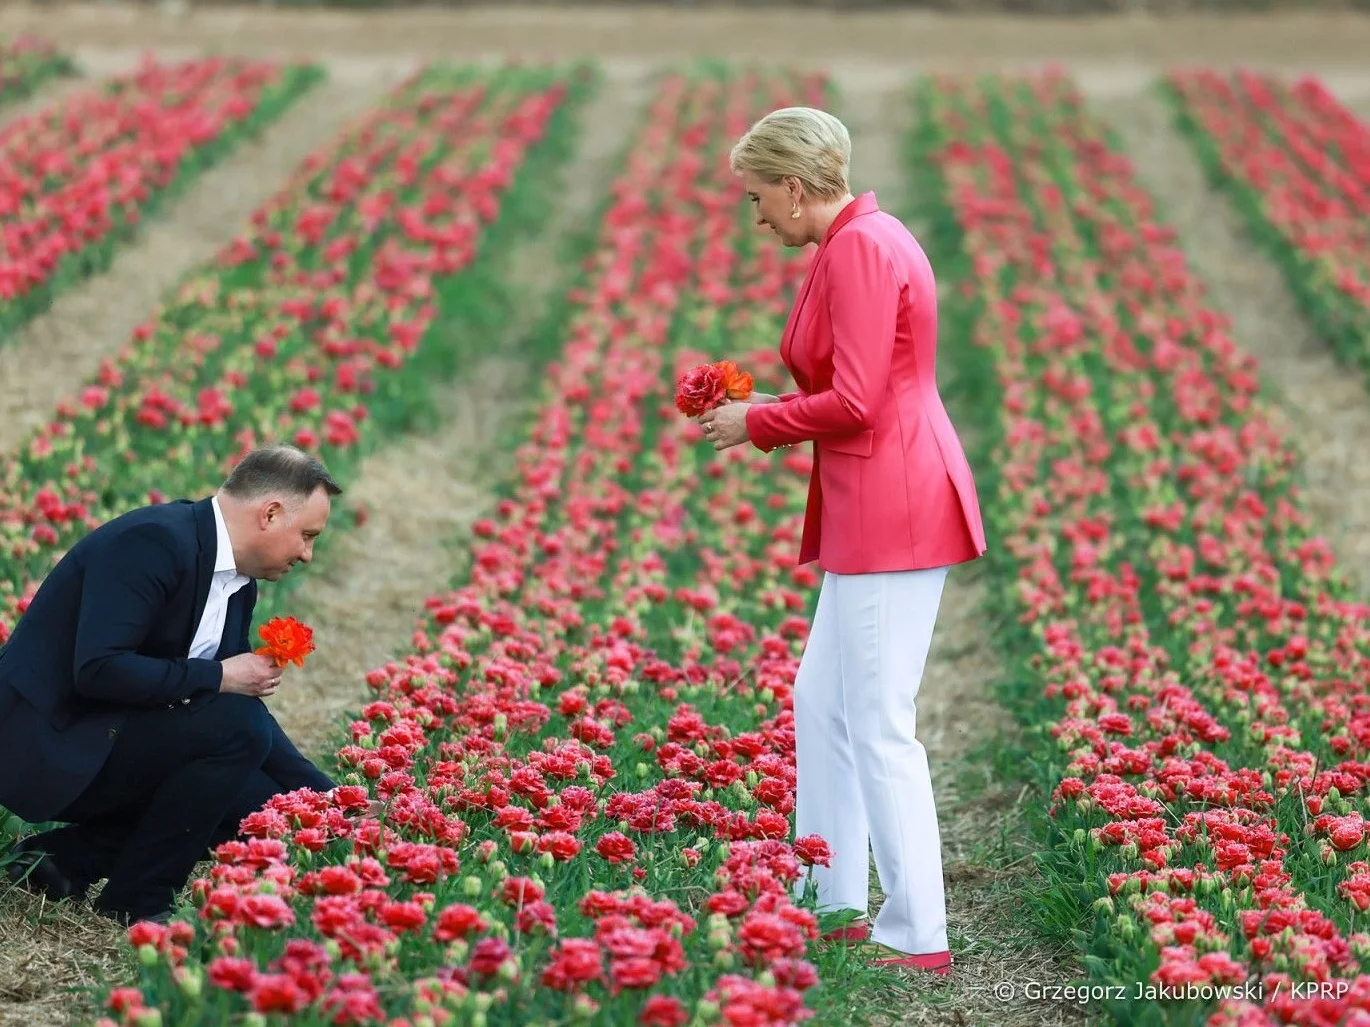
(892, 506)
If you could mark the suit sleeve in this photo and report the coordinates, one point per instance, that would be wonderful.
(862, 296)
(127, 586)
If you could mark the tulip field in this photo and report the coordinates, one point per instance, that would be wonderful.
(583, 745)
(1195, 662)
(306, 327)
(1297, 163)
(79, 175)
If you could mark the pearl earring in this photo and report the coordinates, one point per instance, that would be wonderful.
(795, 213)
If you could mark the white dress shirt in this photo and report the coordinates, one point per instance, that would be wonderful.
(225, 582)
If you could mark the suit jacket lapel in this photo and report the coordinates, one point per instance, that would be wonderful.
(207, 539)
(238, 622)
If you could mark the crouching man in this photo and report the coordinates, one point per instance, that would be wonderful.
(131, 700)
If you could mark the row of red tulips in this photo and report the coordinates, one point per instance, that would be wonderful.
(79, 175)
(1192, 667)
(26, 63)
(587, 756)
(323, 324)
(1297, 163)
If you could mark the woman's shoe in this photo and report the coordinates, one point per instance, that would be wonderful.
(937, 962)
(852, 932)
(883, 955)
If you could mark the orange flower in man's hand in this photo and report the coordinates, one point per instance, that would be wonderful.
(287, 641)
(737, 382)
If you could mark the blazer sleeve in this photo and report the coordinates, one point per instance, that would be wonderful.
(862, 297)
(127, 586)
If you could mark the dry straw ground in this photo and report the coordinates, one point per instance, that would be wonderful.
(423, 490)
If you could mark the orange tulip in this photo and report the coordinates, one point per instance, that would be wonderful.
(737, 382)
(287, 641)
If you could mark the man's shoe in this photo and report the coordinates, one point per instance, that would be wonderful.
(35, 871)
(124, 918)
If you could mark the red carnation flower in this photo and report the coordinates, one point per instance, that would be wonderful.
(699, 389)
(813, 850)
(663, 1011)
(616, 847)
(575, 962)
(458, 921)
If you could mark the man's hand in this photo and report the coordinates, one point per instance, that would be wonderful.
(250, 674)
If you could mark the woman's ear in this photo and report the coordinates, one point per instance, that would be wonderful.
(795, 188)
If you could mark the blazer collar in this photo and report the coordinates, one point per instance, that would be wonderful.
(863, 204)
(206, 528)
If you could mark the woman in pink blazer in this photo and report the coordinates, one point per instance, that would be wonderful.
(892, 506)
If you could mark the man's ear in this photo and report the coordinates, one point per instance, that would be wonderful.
(270, 513)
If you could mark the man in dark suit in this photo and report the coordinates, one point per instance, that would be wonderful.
(131, 700)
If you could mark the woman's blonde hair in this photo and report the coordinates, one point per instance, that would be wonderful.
(810, 144)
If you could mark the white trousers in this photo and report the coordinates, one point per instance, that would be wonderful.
(863, 776)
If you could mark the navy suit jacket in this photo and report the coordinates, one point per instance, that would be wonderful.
(107, 632)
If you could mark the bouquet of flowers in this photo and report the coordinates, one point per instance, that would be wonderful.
(706, 386)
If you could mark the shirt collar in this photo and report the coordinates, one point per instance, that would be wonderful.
(223, 554)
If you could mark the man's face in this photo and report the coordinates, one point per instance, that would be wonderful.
(286, 530)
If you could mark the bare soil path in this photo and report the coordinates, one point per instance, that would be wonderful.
(423, 491)
(910, 38)
(44, 952)
(1325, 403)
(55, 353)
(1356, 96)
(958, 716)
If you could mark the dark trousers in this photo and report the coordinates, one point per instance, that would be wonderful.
(177, 783)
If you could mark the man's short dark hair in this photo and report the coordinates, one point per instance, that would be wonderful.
(279, 468)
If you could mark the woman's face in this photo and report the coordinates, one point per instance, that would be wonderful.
(773, 203)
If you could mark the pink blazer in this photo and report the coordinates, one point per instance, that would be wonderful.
(891, 488)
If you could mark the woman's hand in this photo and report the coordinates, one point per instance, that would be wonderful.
(760, 397)
(726, 426)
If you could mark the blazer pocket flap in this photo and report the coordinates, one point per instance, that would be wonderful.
(852, 445)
